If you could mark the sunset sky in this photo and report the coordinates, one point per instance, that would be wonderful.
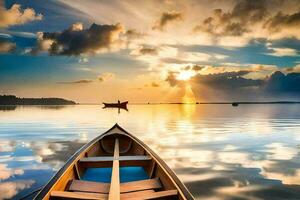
(151, 51)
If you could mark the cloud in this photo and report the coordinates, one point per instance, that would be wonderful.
(171, 78)
(79, 41)
(133, 34)
(10, 189)
(153, 84)
(193, 56)
(145, 51)
(106, 76)
(166, 18)
(16, 16)
(227, 80)
(283, 22)
(270, 19)
(279, 83)
(236, 21)
(6, 47)
(283, 52)
(195, 68)
(279, 51)
(238, 85)
(82, 81)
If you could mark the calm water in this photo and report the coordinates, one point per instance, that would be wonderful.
(218, 151)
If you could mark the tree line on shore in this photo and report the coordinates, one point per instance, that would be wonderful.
(13, 100)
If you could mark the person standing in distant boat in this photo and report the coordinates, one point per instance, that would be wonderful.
(119, 101)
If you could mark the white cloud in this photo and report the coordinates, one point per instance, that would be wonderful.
(194, 56)
(283, 52)
(15, 15)
(10, 189)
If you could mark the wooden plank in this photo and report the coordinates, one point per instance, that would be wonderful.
(135, 194)
(89, 186)
(97, 159)
(77, 195)
(111, 158)
(155, 195)
(114, 190)
(140, 185)
(128, 158)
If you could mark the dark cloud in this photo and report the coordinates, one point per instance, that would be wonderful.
(227, 80)
(171, 78)
(283, 21)
(234, 23)
(292, 43)
(272, 16)
(197, 68)
(153, 84)
(133, 34)
(235, 84)
(279, 83)
(82, 81)
(166, 18)
(76, 40)
(6, 46)
(148, 51)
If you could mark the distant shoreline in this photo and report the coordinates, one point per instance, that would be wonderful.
(238, 102)
(11, 100)
(198, 103)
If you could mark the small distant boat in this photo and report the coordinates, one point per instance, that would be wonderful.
(122, 105)
(235, 104)
(115, 166)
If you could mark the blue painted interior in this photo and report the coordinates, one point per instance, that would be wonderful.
(128, 174)
(97, 175)
(103, 175)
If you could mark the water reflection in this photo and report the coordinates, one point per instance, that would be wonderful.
(220, 152)
(7, 108)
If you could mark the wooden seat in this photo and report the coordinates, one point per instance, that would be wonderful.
(111, 158)
(155, 195)
(89, 186)
(77, 195)
(146, 195)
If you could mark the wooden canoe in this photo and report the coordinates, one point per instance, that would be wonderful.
(115, 166)
(122, 105)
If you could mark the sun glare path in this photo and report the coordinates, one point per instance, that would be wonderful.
(189, 96)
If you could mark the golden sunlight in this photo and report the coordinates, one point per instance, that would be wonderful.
(189, 96)
(185, 75)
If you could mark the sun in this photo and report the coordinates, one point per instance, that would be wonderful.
(185, 75)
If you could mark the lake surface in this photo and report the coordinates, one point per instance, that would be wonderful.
(218, 151)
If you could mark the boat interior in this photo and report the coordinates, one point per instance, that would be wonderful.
(115, 167)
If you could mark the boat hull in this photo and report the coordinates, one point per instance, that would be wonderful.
(129, 144)
(122, 105)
